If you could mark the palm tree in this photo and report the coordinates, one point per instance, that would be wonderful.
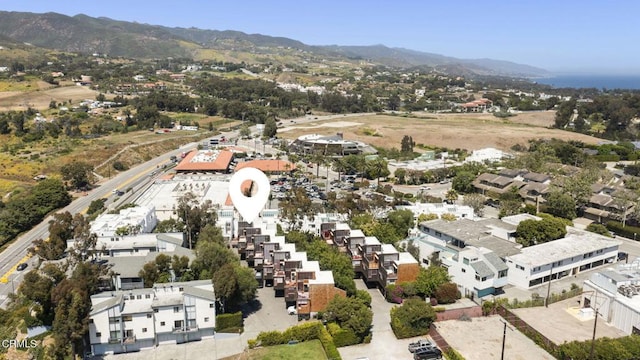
(452, 196)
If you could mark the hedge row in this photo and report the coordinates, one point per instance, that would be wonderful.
(626, 231)
(229, 322)
(303, 332)
(342, 337)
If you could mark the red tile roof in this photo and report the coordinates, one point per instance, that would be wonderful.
(221, 163)
(268, 165)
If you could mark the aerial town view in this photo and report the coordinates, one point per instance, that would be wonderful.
(319, 180)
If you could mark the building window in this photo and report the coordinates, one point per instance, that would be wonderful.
(139, 297)
(502, 273)
(519, 267)
(147, 296)
(484, 278)
(438, 233)
(127, 318)
(211, 305)
(464, 270)
(144, 330)
(477, 277)
(206, 319)
(181, 289)
(161, 323)
(155, 310)
(148, 316)
(98, 334)
(90, 321)
(176, 309)
(465, 261)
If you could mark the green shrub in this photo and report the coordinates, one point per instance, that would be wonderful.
(269, 338)
(439, 309)
(344, 337)
(364, 296)
(447, 293)
(452, 354)
(413, 318)
(626, 231)
(330, 348)
(229, 321)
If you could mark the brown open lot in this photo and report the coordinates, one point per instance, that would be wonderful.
(40, 99)
(481, 339)
(468, 131)
(559, 325)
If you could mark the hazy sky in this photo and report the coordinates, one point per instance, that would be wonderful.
(561, 35)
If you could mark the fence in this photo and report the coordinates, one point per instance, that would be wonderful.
(455, 314)
(438, 339)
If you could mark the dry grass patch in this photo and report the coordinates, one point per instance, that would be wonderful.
(466, 131)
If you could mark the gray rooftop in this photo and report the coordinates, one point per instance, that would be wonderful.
(482, 269)
(200, 293)
(107, 304)
(495, 261)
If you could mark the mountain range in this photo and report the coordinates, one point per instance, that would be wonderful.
(85, 34)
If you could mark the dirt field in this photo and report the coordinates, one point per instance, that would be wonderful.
(559, 322)
(481, 339)
(468, 131)
(40, 99)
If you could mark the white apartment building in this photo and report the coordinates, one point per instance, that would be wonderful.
(615, 294)
(478, 272)
(135, 220)
(125, 321)
(460, 211)
(568, 256)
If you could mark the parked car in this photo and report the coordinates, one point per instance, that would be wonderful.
(22, 266)
(434, 354)
(420, 344)
(622, 255)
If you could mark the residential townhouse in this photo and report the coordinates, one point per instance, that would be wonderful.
(133, 320)
(278, 264)
(532, 187)
(609, 203)
(472, 251)
(478, 272)
(377, 263)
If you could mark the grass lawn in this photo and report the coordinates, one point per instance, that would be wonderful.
(304, 350)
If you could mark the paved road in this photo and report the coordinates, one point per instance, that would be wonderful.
(17, 252)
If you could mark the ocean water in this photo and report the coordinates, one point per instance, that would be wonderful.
(592, 81)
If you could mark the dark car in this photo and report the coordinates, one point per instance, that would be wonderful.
(622, 255)
(22, 266)
(427, 354)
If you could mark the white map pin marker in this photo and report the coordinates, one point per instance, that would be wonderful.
(249, 207)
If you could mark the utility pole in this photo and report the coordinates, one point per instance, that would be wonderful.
(504, 337)
(595, 323)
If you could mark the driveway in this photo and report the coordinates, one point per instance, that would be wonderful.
(384, 344)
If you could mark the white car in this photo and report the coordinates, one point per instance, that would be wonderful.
(291, 310)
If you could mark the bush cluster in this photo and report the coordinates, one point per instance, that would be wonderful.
(229, 323)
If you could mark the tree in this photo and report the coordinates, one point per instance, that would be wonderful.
(407, 144)
(463, 182)
(510, 202)
(400, 174)
(447, 293)
(234, 285)
(349, 313)
(598, 229)
(561, 204)
(531, 232)
(452, 196)
(225, 284)
(474, 201)
(295, 207)
(78, 173)
(245, 131)
(194, 215)
(429, 279)
(402, 221)
(84, 240)
(413, 318)
(270, 128)
(60, 230)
